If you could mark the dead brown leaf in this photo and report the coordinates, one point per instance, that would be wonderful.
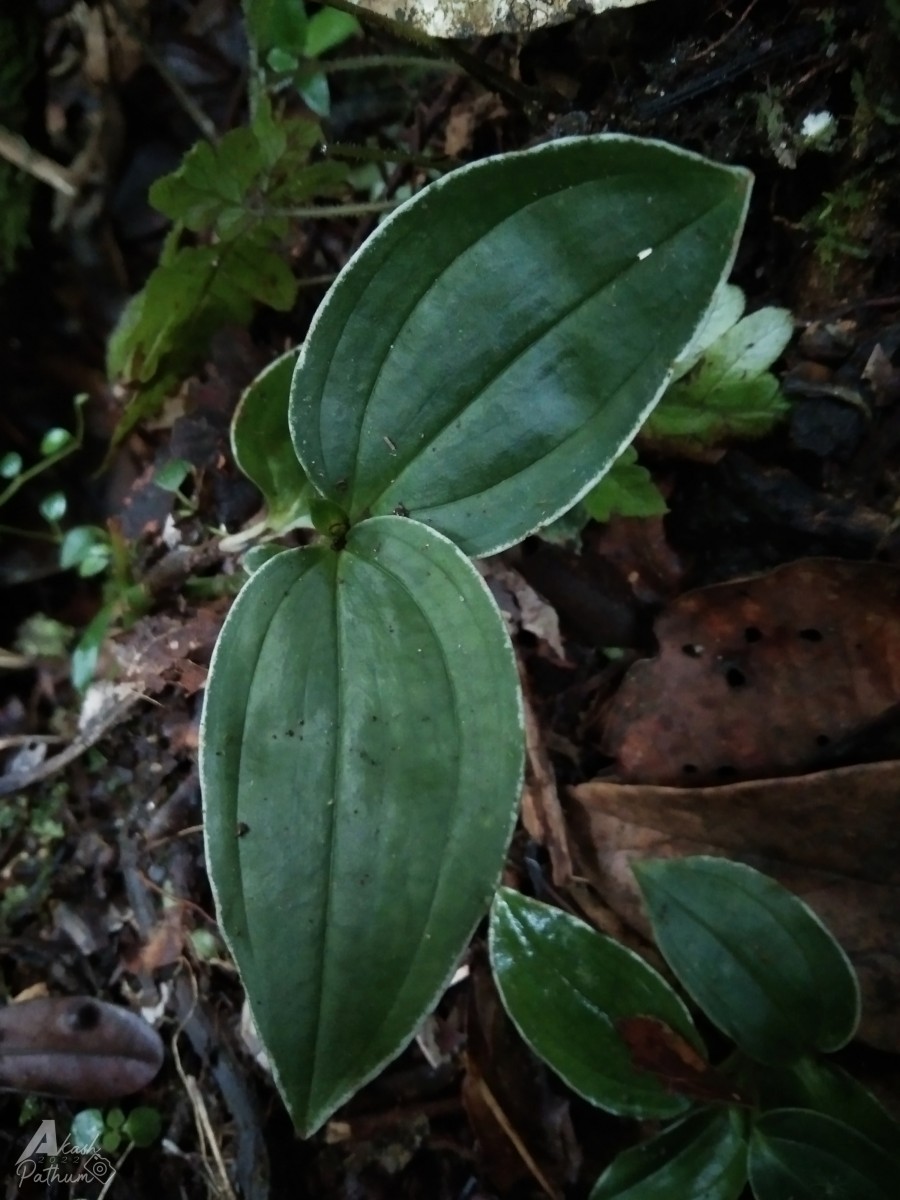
(760, 676)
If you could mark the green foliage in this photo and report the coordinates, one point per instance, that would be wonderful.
(287, 43)
(626, 489)
(596, 982)
(721, 390)
(476, 367)
(758, 962)
(763, 969)
(94, 1130)
(237, 196)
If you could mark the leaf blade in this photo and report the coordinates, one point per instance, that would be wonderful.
(438, 412)
(345, 941)
(754, 957)
(537, 951)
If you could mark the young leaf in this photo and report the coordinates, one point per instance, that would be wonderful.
(798, 1155)
(276, 25)
(758, 962)
(565, 986)
(730, 392)
(627, 490)
(262, 446)
(88, 1126)
(485, 378)
(360, 779)
(702, 1157)
(328, 28)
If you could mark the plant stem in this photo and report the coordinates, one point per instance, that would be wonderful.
(373, 62)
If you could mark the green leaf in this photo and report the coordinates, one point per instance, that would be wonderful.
(87, 548)
(190, 295)
(88, 1126)
(211, 184)
(172, 474)
(827, 1089)
(798, 1155)
(276, 24)
(725, 310)
(360, 779)
(115, 1118)
(55, 440)
(703, 1157)
(626, 489)
(53, 507)
(565, 986)
(261, 443)
(143, 1125)
(494, 346)
(329, 27)
(11, 465)
(757, 960)
(729, 392)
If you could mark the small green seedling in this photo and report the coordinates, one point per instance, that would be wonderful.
(474, 370)
(721, 391)
(767, 974)
(92, 1129)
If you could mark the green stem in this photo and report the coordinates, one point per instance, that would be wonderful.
(374, 62)
(327, 212)
(46, 463)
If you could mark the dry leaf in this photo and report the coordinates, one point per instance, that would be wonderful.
(760, 676)
(77, 1047)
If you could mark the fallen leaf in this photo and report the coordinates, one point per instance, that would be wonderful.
(77, 1047)
(832, 837)
(760, 676)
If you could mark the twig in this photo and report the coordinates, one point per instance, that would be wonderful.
(117, 711)
(187, 102)
(18, 152)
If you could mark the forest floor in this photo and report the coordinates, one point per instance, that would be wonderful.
(793, 767)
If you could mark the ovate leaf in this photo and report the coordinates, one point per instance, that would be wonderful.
(754, 957)
(483, 377)
(262, 446)
(565, 987)
(627, 490)
(360, 780)
(703, 1157)
(798, 1155)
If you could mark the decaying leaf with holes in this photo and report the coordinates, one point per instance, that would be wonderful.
(763, 676)
(77, 1047)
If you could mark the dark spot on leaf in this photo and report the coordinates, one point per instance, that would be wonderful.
(726, 772)
(823, 740)
(691, 650)
(735, 678)
(752, 634)
(689, 769)
(85, 1016)
(242, 828)
(810, 635)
